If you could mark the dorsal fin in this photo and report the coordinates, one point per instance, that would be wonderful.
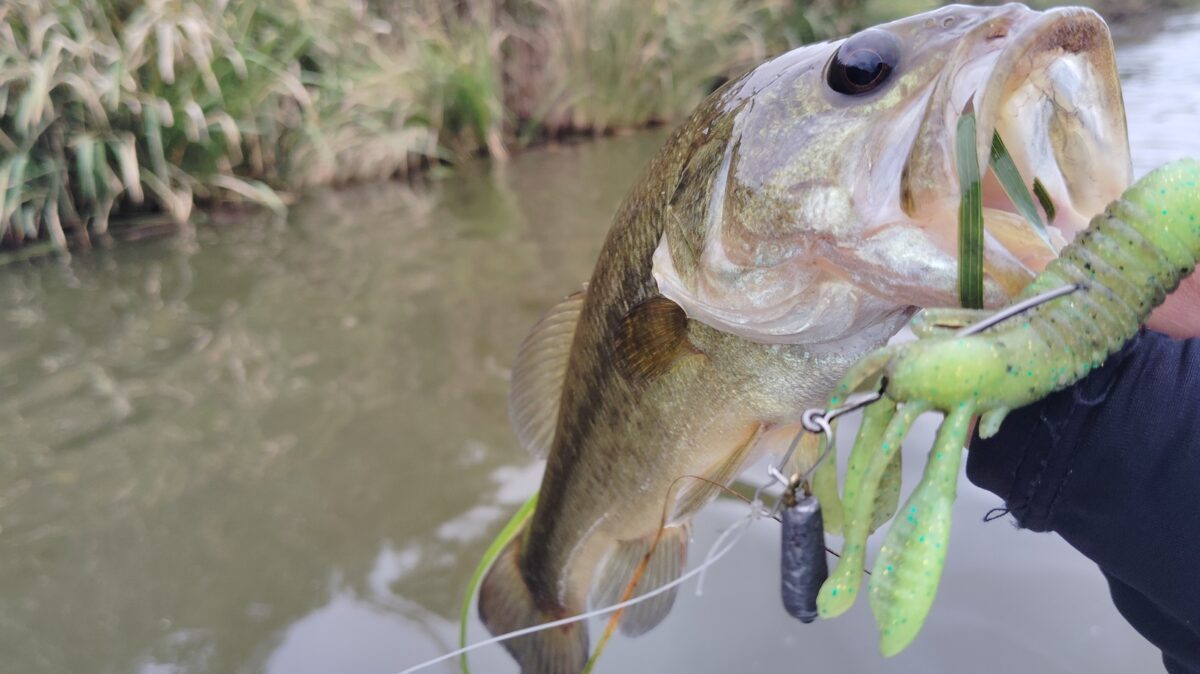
(539, 372)
(653, 335)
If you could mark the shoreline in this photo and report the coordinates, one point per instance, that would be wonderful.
(154, 181)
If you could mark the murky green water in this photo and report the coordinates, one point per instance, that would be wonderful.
(282, 447)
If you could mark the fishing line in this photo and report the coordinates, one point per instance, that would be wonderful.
(713, 557)
(747, 501)
(814, 420)
(632, 585)
(640, 571)
(1017, 309)
(733, 534)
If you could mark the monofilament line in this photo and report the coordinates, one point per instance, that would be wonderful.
(1017, 309)
(713, 557)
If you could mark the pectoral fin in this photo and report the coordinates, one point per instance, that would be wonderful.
(653, 335)
(538, 375)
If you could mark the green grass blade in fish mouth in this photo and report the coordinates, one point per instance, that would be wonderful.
(970, 216)
(1043, 196)
(1002, 164)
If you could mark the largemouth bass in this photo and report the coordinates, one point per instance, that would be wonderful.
(791, 225)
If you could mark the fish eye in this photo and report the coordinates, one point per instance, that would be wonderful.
(863, 62)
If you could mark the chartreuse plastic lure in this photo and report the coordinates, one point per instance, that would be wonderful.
(1123, 266)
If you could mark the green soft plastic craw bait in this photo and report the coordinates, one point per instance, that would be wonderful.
(1125, 264)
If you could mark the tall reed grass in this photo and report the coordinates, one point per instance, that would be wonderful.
(598, 65)
(111, 107)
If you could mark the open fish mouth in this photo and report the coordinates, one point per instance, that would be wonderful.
(1046, 84)
(833, 204)
(1055, 100)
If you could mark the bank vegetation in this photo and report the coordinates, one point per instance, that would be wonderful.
(111, 110)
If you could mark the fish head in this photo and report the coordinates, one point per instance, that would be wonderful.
(821, 196)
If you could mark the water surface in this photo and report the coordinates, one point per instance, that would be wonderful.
(281, 447)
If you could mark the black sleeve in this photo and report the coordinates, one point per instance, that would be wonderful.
(1112, 465)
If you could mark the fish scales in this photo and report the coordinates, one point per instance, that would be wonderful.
(790, 226)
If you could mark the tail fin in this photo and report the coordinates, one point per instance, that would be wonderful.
(506, 605)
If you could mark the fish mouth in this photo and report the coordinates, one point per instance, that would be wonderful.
(1055, 101)
(1046, 84)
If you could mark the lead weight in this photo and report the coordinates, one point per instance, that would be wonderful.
(803, 567)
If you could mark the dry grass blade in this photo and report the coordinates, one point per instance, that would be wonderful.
(5, 171)
(85, 169)
(253, 191)
(15, 194)
(166, 102)
(125, 151)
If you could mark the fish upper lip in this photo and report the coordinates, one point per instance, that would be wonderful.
(1051, 91)
(1071, 30)
(1044, 37)
(1053, 36)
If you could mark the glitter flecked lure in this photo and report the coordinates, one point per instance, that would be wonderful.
(1126, 262)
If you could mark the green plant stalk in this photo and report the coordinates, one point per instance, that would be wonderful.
(1005, 168)
(970, 216)
(1043, 196)
(493, 551)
